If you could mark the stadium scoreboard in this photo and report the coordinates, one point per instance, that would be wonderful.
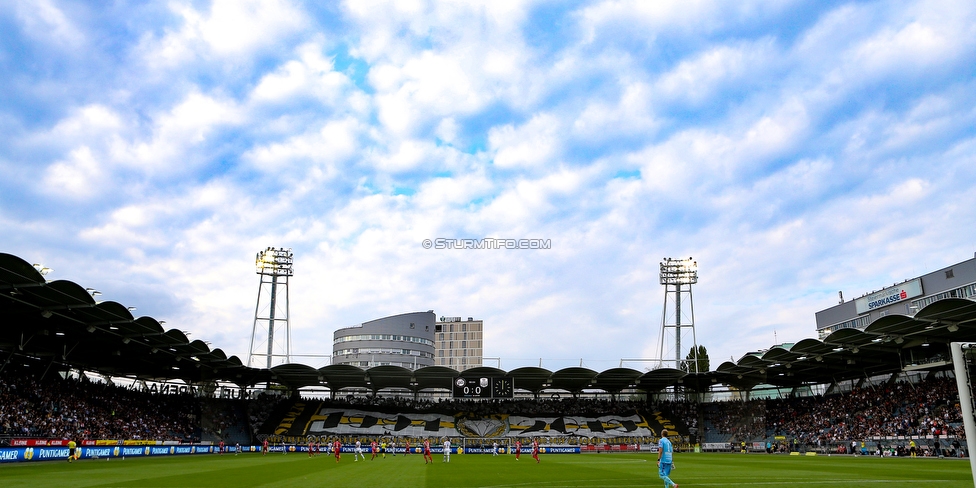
(483, 387)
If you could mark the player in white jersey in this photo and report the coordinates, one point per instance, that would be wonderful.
(359, 451)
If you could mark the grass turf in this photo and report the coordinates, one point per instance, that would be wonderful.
(477, 470)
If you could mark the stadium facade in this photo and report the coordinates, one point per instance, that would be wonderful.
(459, 342)
(905, 298)
(405, 340)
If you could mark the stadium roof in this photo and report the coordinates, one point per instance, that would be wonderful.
(59, 325)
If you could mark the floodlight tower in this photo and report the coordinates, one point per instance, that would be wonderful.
(677, 276)
(274, 267)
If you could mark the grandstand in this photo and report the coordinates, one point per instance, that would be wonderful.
(77, 369)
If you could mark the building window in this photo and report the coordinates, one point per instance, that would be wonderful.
(464, 327)
(949, 274)
(464, 344)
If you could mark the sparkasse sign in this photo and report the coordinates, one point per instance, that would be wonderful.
(887, 296)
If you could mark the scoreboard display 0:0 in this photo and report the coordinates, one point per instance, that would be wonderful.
(472, 387)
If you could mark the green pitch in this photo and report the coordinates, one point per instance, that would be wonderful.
(474, 470)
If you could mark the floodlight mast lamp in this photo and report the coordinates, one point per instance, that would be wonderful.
(675, 274)
(274, 265)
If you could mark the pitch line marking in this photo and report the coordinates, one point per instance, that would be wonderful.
(630, 482)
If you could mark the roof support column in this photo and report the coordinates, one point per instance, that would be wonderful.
(9, 357)
(963, 384)
(48, 368)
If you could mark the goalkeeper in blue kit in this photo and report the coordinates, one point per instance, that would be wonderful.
(665, 461)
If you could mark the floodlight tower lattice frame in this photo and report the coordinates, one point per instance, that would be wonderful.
(677, 276)
(274, 266)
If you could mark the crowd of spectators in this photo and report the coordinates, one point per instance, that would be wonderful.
(682, 413)
(930, 407)
(262, 408)
(79, 409)
(738, 421)
(224, 420)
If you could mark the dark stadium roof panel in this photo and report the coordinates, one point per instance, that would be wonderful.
(949, 310)
(616, 379)
(58, 325)
(530, 378)
(659, 379)
(16, 270)
(573, 380)
(295, 375)
(486, 371)
(382, 377)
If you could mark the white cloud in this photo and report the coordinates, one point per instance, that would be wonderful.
(632, 114)
(311, 74)
(426, 63)
(702, 77)
(438, 83)
(857, 46)
(230, 28)
(45, 22)
(936, 38)
(534, 143)
(447, 130)
(175, 132)
(335, 142)
(79, 176)
(610, 18)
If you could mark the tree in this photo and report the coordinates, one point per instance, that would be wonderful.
(696, 361)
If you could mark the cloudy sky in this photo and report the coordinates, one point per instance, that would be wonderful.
(793, 148)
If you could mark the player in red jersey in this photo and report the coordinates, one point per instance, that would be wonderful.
(264, 447)
(535, 449)
(518, 448)
(337, 449)
(373, 448)
(427, 456)
(407, 447)
(311, 446)
(221, 446)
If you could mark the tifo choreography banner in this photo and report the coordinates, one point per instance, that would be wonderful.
(334, 421)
